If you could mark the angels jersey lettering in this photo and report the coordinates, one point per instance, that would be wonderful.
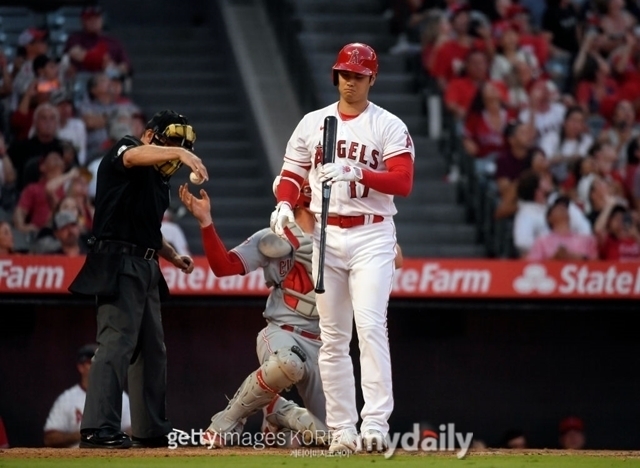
(366, 141)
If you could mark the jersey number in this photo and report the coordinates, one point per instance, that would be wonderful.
(353, 190)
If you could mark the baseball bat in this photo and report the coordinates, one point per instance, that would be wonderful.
(328, 154)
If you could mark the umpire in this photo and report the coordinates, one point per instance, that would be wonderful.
(123, 273)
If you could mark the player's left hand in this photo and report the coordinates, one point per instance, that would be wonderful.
(337, 172)
(184, 263)
(199, 207)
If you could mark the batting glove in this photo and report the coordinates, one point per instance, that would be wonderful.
(335, 172)
(280, 217)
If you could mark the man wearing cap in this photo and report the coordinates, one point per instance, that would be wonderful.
(35, 43)
(66, 237)
(91, 50)
(122, 271)
(62, 428)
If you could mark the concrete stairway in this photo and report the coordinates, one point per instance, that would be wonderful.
(191, 71)
(429, 222)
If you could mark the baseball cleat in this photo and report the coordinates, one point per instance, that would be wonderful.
(344, 441)
(212, 440)
(374, 441)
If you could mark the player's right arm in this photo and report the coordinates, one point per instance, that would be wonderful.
(296, 165)
(130, 153)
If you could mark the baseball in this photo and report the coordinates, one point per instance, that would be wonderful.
(195, 178)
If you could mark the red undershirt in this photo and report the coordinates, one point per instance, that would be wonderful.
(222, 263)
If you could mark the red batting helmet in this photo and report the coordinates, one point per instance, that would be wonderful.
(358, 58)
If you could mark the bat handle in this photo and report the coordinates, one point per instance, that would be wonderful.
(319, 290)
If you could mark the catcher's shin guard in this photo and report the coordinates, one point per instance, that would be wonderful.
(283, 369)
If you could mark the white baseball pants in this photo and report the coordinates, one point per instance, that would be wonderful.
(358, 277)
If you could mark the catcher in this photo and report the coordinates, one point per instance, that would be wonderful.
(288, 346)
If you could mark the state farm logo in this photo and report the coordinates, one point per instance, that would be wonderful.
(534, 279)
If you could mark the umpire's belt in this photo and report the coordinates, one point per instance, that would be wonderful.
(301, 332)
(352, 221)
(113, 246)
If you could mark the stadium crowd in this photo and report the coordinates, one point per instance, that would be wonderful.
(545, 100)
(543, 96)
(60, 112)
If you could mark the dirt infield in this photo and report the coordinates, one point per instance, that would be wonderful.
(20, 452)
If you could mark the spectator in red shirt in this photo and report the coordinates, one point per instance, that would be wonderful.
(460, 91)
(537, 44)
(91, 50)
(618, 235)
(484, 126)
(449, 57)
(34, 208)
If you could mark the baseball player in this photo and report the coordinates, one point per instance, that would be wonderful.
(62, 428)
(374, 163)
(288, 346)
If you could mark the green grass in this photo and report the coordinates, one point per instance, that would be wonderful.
(268, 461)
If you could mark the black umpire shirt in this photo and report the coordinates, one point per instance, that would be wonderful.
(129, 202)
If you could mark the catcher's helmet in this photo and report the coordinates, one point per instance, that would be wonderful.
(358, 58)
(304, 199)
(171, 129)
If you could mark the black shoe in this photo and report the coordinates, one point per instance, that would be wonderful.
(150, 442)
(104, 438)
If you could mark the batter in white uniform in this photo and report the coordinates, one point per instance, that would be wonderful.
(373, 163)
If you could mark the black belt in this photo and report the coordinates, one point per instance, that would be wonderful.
(112, 246)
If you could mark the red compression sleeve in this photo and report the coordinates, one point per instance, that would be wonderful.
(287, 189)
(397, 180)
(222, 263)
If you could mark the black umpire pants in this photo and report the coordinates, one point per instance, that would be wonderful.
(131, 340)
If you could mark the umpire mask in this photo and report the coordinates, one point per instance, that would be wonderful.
(171, 129)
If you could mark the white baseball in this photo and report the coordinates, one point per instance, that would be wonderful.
(195, 178)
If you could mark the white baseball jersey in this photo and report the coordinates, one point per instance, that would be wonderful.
(366, 141)
(292, 300)
(66, 412)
